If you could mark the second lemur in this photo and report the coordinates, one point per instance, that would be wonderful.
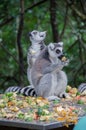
(46, 74)
(37, 44)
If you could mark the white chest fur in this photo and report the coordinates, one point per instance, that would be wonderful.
(35, 47)
(35, 50)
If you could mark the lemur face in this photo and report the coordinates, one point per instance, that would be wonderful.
(36, 36)
(55, 50)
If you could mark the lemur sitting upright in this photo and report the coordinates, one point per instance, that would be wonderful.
(46, 74)
(37, 45)
(47, 77)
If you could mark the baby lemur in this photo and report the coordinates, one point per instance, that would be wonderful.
(37, 44)
(46, 74)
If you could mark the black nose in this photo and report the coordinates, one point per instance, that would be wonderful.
(29, 34)
(60, 57)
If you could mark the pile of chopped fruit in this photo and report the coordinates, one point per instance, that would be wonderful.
(13, 106)
(75, 95)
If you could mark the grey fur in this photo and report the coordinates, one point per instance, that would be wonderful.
(47, 76)
(37, 44)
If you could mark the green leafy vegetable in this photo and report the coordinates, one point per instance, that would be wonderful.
(80, 102)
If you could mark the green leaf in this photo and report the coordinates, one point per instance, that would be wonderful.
(56, 101)
(80, 102)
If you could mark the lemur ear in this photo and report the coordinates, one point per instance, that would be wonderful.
(60, 43)
(43, 33)
(51, 46)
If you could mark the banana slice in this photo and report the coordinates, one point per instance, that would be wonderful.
(64, 58)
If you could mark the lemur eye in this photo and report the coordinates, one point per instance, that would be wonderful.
(34, 33)
(41, 35)
(58, 51)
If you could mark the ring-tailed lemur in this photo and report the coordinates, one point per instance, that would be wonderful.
(29, 91)
(82, 88)
(46, 74)
(37, 44)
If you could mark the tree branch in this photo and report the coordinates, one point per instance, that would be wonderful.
(31, 7)
(81, 42)
(78, 12)
(70, 47)
(8, 53)
(53, 7)
(19, 34)
(65, 21)
(7, 21)
(34, 5)
(77, 72)
(83, 4)
(81, 53)
(8, 78)
(81, 15)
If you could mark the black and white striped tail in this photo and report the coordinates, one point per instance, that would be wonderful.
(82, 87)
(13, 89)
(26, 91)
